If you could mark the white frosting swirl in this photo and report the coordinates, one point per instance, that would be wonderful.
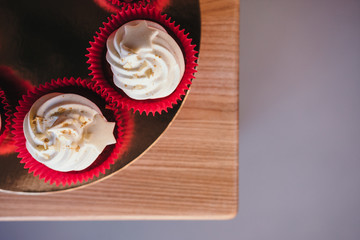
(146, 61)
(66, 132)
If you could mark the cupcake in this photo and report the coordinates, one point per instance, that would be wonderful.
(68, 131)
(145, 57)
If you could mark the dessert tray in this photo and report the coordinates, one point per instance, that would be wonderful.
(43, 42)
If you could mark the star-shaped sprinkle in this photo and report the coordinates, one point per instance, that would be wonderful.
(138, 36)
(100, 132)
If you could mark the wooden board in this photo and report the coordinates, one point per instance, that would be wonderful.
(192, 171)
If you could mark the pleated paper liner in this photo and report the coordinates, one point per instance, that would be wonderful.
(117, 5)
(103, 99)
(6, 143)
(101, 73)
(12, 87)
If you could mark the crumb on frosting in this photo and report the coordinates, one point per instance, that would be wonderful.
(83, 124)
(149, 73)
(37, 119)
(61, 110)
(68, 132)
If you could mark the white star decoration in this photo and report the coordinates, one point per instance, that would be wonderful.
(138, 36)
(101, 132)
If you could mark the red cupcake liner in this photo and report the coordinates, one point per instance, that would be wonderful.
(98, 48)
(105, 159)
(117, 5)
(6, 138)
(12, 87)
(160, 4)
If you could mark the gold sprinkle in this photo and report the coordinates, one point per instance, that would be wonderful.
(40, 147)
(61, 110)
(68, 132)
(37, 119)
(83, 124)
(149, 73)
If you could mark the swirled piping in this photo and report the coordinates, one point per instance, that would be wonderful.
(66, 132)
(146, 61)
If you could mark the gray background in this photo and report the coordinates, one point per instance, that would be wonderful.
(299, 134)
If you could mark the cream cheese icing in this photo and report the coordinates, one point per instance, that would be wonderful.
(146, 61)
(66, 132)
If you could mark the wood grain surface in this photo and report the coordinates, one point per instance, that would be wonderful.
(192, 171)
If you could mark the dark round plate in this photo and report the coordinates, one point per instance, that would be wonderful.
(42, 41)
